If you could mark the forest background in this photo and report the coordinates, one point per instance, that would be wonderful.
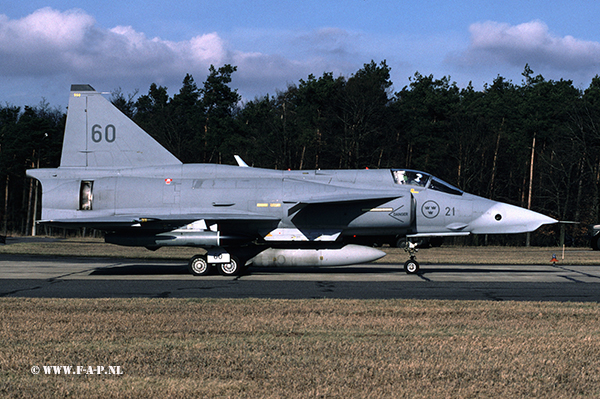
(535, 144)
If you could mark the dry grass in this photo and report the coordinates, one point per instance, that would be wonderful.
(91, 247)
(301, 348)
(445, 254)
(305, 348)
(496, 255)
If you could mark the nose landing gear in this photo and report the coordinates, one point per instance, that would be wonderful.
(411, 266)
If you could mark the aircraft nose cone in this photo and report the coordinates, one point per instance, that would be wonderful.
(503, 218)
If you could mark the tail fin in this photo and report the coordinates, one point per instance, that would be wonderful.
(98, 135)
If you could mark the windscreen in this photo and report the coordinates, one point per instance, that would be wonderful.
(410, 177)
(421, 179)
(444, 187)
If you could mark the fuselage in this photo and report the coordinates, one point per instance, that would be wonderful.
(293, 205)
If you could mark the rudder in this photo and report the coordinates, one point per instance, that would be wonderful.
(98, 135)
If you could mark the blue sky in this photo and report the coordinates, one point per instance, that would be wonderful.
(47, 45)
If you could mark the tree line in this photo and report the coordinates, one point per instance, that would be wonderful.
(534, 144)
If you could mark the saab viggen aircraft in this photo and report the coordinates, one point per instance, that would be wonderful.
(115, 177)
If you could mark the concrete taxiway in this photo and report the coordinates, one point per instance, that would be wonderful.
(65, 277)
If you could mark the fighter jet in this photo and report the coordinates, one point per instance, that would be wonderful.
(115, 177)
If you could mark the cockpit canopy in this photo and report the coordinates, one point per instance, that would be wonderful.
(422, 179)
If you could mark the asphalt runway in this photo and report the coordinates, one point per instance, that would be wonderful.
(64, 277)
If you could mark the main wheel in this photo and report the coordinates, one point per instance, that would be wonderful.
(596, 242)
(411, 266)
(198, 266)
(232, 268)
(401, 243)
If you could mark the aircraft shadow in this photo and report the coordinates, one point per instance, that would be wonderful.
(322, 270)
(140, 270)
(153, 270)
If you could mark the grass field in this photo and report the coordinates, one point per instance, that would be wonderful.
(301, 348)
(304, 348)
(445, 254)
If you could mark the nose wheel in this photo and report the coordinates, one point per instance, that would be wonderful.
(411, 266)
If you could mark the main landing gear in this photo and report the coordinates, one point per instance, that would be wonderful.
(227, 264)
(198, 266)
(411, 266)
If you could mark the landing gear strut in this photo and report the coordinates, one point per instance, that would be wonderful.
(411, 266)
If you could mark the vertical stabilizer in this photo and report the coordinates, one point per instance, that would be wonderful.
(98, 135)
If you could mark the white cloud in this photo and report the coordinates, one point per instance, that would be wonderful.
(532, 42)
(51, 49)
(70, 46)
(41, 42)
(57, 43)
(44, 52)
(45, 27)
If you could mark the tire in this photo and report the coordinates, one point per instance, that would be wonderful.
(401, 242)
(411, 266)
(595, 241)
(198, 266)
(232, 268)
